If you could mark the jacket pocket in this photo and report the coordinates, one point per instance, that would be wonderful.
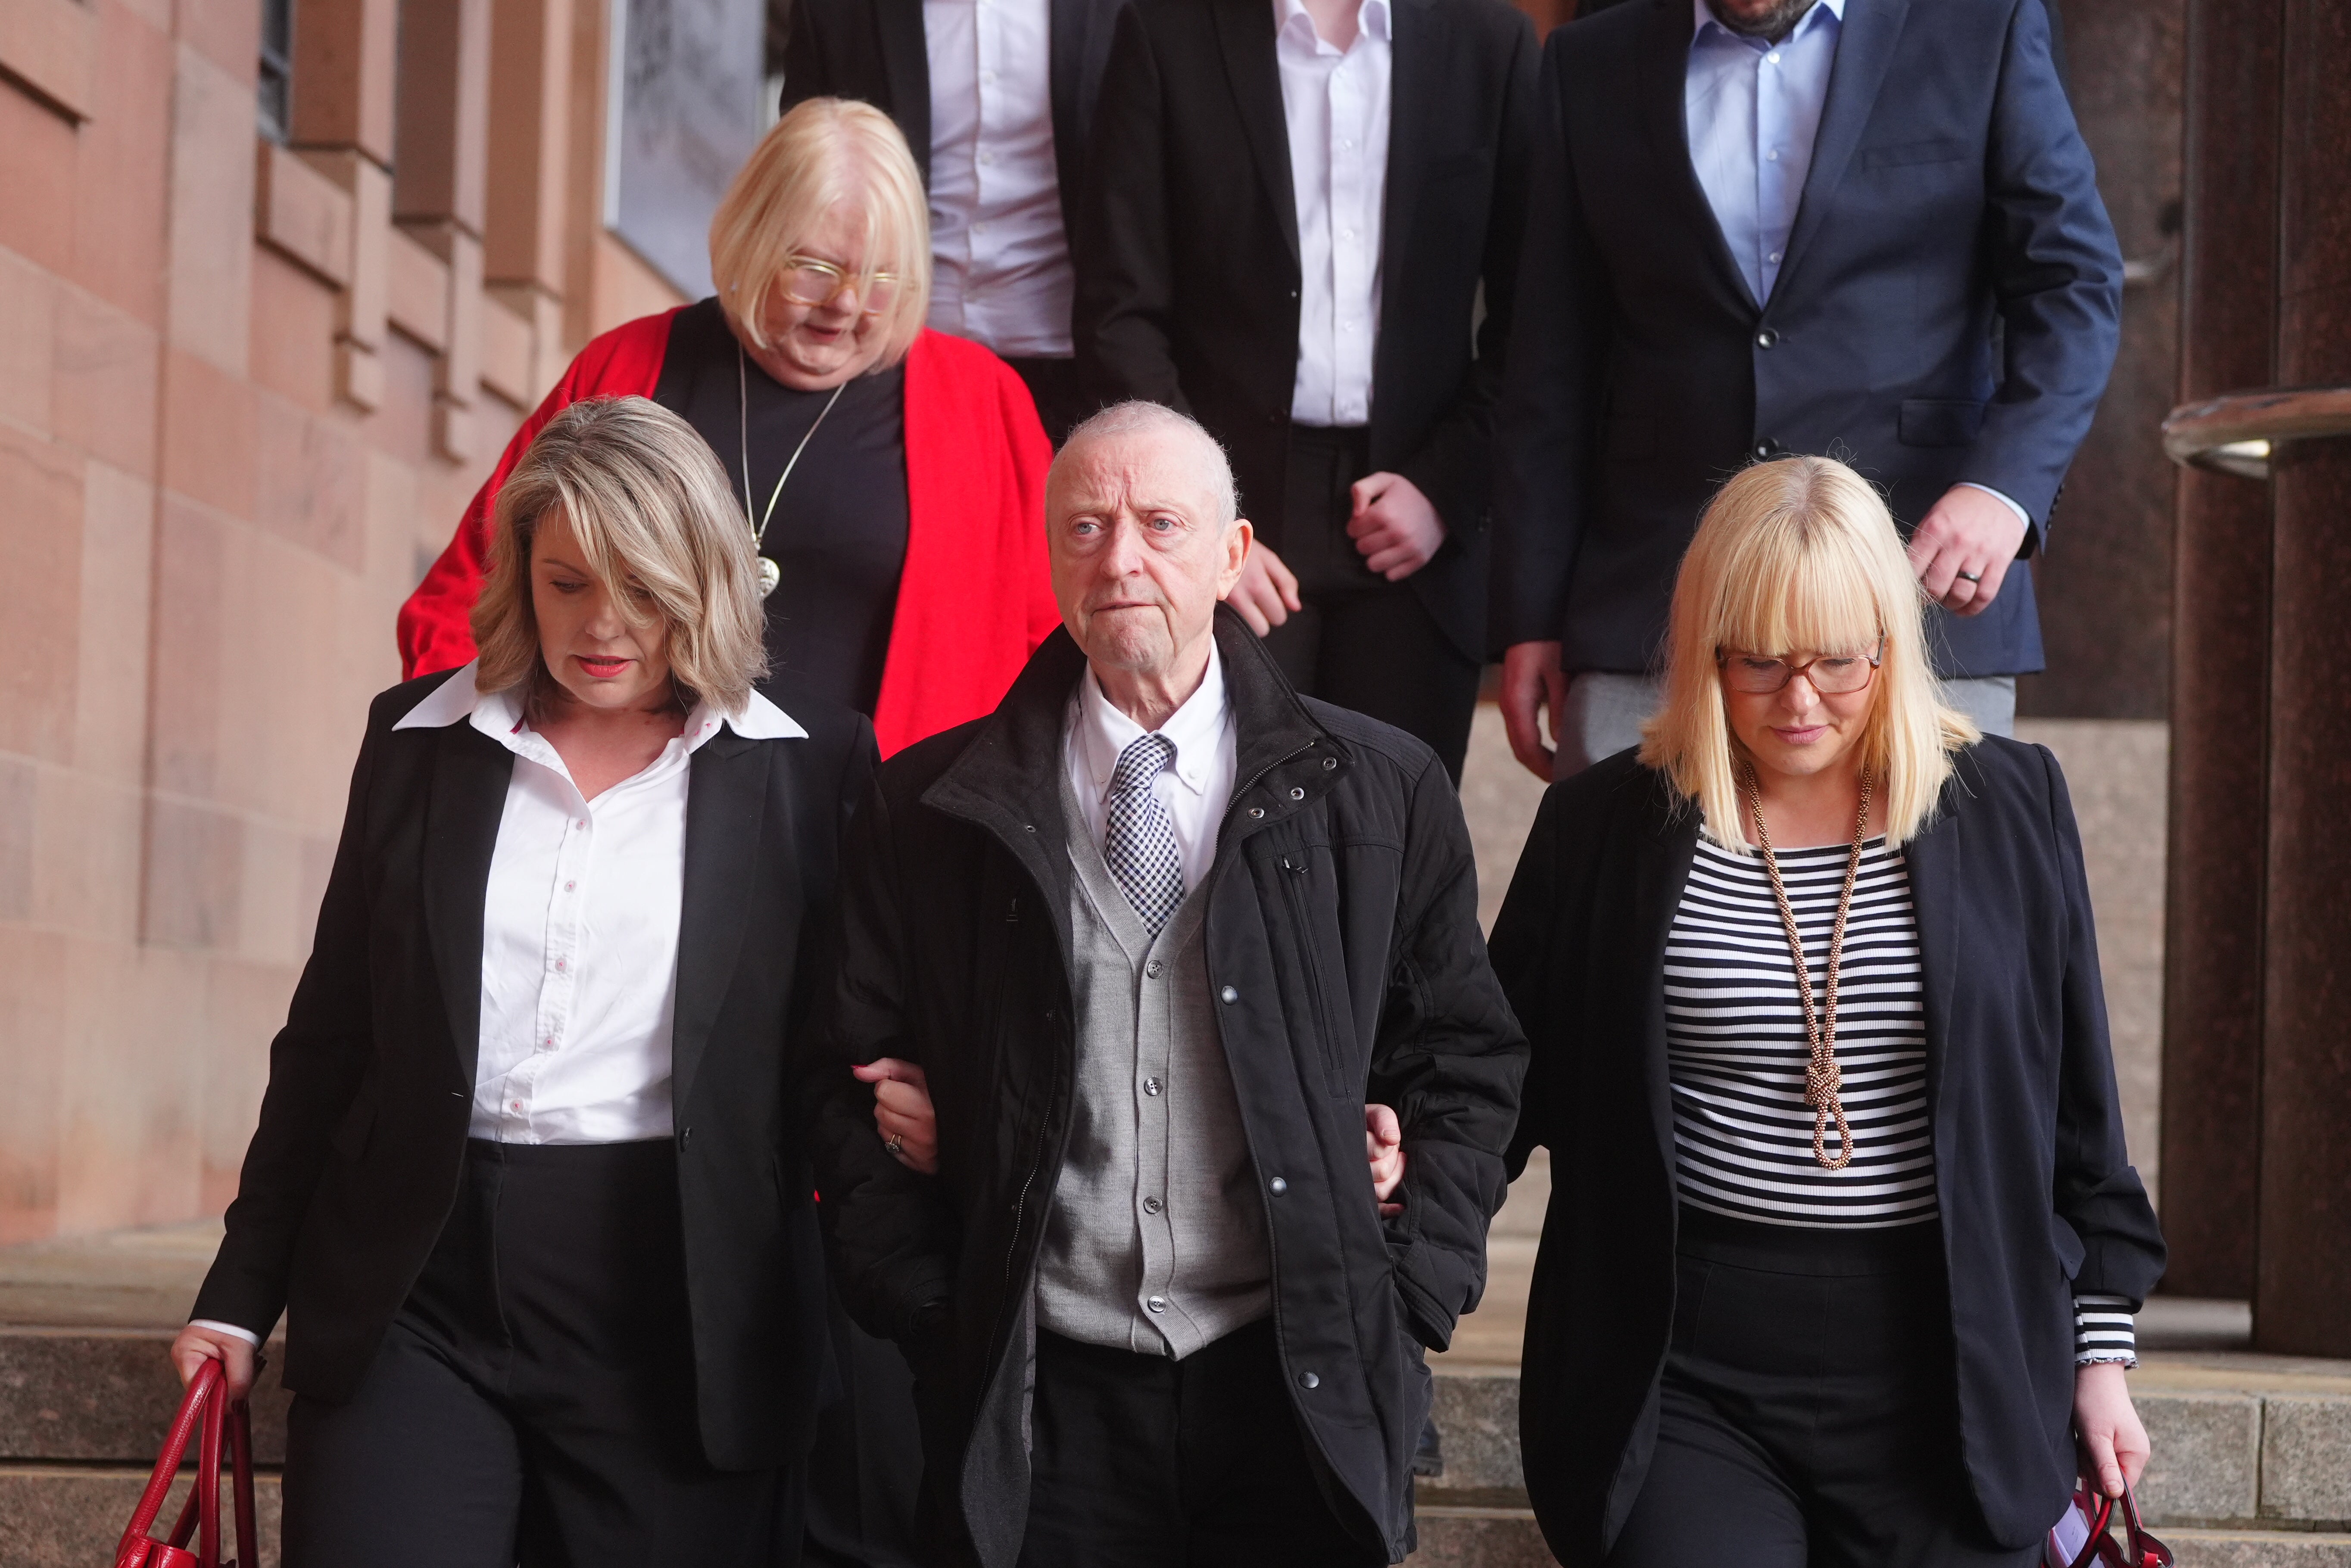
(1905, 154)
(1295, 869)
(1940, 421)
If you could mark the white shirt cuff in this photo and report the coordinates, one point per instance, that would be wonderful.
(2022, 514)
(217, 1326)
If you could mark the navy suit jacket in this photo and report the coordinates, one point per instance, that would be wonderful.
(1949, 310)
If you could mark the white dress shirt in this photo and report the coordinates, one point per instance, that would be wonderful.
(579, 928)
(1000, 261)
(1196, 787)
(579, 931)
(1337, 107)
(1753, 109)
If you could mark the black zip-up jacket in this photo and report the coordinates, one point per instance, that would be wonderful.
(1341, 941)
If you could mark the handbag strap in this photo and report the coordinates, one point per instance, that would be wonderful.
(2145, 1550)
(2103, 1517)
(192, 1405)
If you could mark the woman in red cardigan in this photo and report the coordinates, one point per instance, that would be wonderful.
(894, 477)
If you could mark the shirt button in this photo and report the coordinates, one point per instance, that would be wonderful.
(1156, 1303)
(986, 158)
(1771, 156)
(1775, 256)
(1150, 1087)
(987, 79)
(1153, 969)
(1228, 995)
(1773, 57)
(517, 1106)
(560, 963)
(570, 886)
(580, 824)
(1151, 1205)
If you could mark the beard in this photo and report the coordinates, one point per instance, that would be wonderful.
(1772, 20)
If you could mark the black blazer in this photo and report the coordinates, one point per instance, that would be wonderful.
(874, 51)
(1186, 252)
(355, 1164)
(1949, 310)
(2039, 1202)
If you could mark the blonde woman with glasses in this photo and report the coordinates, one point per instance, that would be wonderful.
(1842, 1251)
(530, 1187)
(891, 478)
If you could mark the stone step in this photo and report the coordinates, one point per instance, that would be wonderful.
(105, 1396)
(2258, 1549)
(71, 1516)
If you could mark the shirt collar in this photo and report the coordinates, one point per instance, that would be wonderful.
(498, 714)
(1703, 19)
(1372, 20)
(1104, 731)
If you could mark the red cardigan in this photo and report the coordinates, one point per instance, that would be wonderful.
(974, 597)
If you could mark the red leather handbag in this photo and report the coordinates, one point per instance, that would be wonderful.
(2081, 1538)
(227, 1433)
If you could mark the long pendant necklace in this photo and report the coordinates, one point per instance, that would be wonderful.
(770, 573)
(1822, 1078)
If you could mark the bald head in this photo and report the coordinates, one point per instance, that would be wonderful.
(1144, 538)
(1163, 431)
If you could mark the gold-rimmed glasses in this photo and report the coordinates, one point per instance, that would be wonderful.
(813, 282)
(1832, 674)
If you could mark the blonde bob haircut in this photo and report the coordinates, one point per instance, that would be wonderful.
(1800, 556)
(827, 150)
(656, 526)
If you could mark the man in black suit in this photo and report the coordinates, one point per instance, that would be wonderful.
(994, 100)
(1864, 228)
(1293, 210)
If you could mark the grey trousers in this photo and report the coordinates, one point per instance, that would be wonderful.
(1604, 713)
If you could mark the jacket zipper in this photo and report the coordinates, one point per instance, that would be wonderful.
(1293, 874)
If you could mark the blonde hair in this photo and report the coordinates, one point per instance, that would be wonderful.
(1801, 554)
(826, 150)
(658, 526)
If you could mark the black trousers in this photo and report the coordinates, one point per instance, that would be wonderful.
(865, 1472)
(1807, 1416)
(1061, 404)
(1361, 641)
(1141, 1462)
(533, 1403)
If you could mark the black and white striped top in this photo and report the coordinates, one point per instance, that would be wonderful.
(1736, 1051)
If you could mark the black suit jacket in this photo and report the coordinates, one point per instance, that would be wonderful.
(1949, 310)
(2039, 1202)
(1187, 252)
(353, 1169)
(874, 51)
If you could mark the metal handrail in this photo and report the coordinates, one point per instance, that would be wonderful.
(2238, 433)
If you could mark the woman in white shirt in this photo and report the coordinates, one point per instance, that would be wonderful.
(529, 1182)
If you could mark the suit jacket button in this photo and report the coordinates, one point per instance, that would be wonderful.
(684, 1136)
(1765, 339)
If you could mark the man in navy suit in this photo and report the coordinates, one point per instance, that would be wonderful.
(1864, 228)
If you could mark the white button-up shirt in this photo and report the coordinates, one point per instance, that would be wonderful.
(1000, 261)
(1196, 787)
(1337, 107)
(579, 928)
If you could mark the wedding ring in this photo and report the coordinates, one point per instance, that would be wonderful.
(897, 1144)
(1972, 577)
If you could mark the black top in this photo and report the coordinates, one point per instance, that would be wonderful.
(839, 531)
(2039, 1202)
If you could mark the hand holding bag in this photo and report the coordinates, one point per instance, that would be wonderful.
(2080, 1539)
(227, 1432)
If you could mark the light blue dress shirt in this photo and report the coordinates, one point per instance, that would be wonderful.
(1753, 109)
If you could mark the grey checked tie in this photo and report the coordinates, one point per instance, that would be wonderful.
(1139, 841)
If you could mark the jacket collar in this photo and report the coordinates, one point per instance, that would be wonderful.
(1865, 46)
(1245, 31)
(1007, 778)
(1663, 78)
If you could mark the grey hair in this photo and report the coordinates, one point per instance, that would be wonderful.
(1139, 416)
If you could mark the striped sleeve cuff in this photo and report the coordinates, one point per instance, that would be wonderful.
(2103, 1331)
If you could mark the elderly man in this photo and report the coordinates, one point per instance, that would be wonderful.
(1155, 930)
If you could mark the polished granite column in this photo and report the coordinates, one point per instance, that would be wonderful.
(2301, 1295)
(2218, 836)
